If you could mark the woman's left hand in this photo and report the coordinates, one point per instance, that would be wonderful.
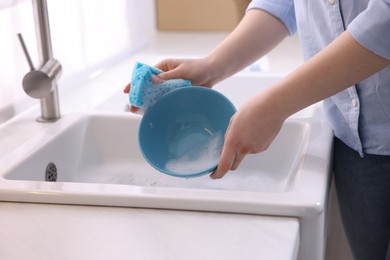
(251, 130)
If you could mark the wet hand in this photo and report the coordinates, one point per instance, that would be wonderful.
(198, 71)
(251, 130)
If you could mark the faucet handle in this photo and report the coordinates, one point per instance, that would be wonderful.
(40, 83)
(30, 64)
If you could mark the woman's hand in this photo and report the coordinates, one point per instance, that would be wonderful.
(196, 70)
(126, 90)
(251, 130)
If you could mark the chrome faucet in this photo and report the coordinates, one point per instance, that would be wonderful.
(41, 83)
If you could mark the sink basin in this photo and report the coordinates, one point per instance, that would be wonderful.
(104, 149)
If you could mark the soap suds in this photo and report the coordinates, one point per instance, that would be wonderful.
(142, 174)
(199, 158)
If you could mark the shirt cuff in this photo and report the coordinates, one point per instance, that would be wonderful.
(371, 28)
(282, 9)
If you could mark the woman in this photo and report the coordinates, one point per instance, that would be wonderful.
(346, 45)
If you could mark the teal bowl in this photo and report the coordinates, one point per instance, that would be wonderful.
(182, 134)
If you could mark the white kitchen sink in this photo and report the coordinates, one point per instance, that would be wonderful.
(98, 162)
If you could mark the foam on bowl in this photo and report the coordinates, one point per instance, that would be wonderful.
(203, 155)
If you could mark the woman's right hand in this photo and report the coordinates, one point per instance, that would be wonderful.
(126, 90)
(198, 71)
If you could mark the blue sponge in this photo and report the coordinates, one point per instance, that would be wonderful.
(144, 93)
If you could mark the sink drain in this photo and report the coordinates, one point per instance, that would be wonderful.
(51, 172)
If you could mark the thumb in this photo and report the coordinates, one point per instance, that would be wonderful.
(172, 74)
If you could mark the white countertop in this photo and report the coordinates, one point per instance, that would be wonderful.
(37, 231)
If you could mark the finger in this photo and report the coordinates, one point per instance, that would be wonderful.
(127, 88)
(156, 79)
(172, 74)
(167, 64)
(237, 161)
(133, 109)
(137, 110)
(161, 65)
(228, 156)
(229, 125)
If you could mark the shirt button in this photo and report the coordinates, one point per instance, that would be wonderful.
(354, 102)
(332, 1)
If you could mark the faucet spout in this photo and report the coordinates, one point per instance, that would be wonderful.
(42, 83)
(50, 108)
(42, 30)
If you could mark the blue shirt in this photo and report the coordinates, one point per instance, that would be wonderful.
(359, 115)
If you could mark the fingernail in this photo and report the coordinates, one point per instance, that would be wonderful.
(155, 79)
(212, 176)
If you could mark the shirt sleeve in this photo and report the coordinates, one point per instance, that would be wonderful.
(371, 28)
(281, 9)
